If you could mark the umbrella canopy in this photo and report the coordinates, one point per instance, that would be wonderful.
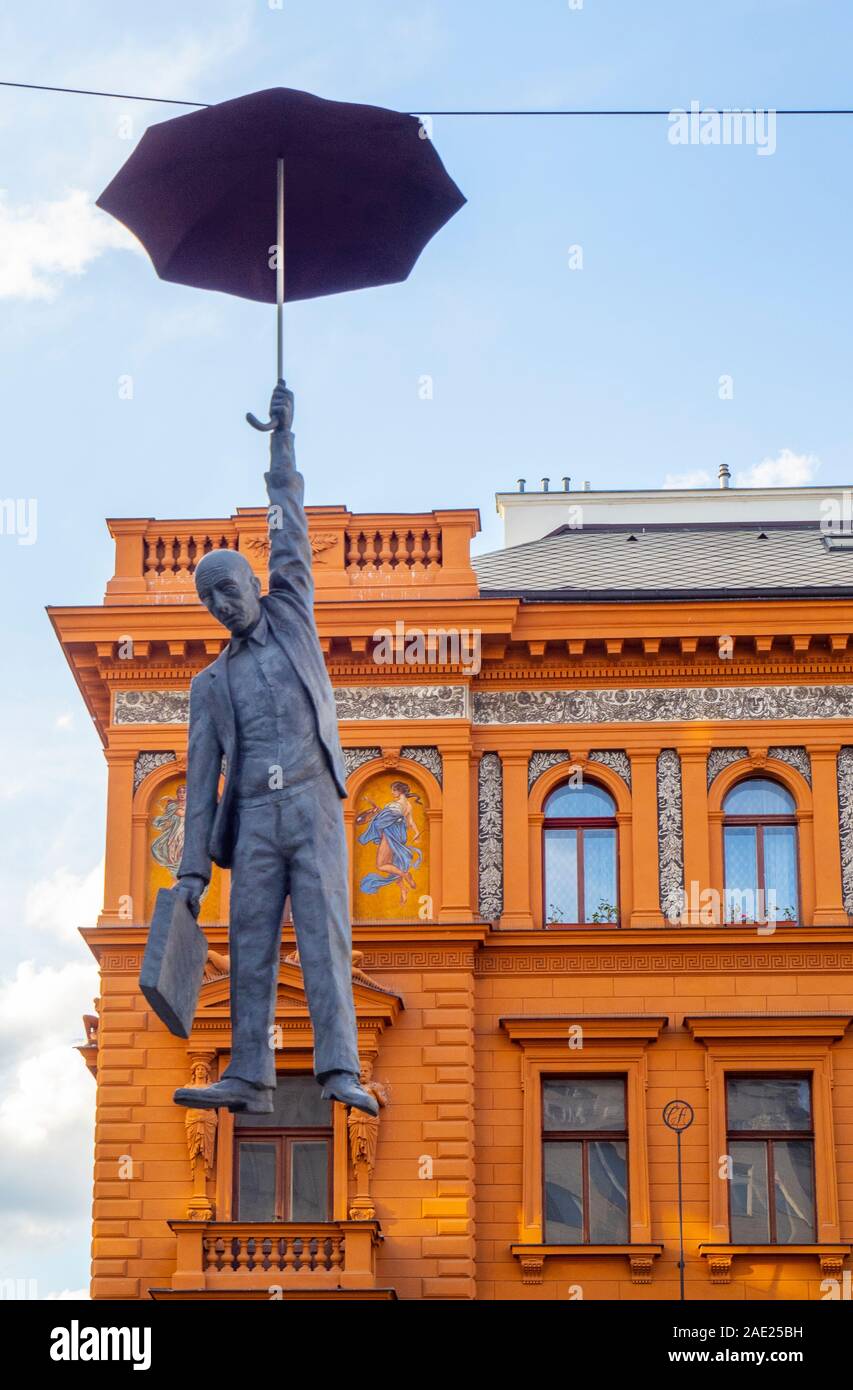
(364, 193)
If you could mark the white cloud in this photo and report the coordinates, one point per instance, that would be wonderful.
(64, 721)
(167, 69)
(698, 478)
(65, 901)
(51, 1094)
(40, 1007)
(46, 1128)
(42, 242)
(786, 470)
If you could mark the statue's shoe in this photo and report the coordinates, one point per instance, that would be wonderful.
(237, 1095)
(343, 1086)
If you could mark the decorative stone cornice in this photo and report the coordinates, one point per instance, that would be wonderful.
(723, 1027)
(547, 1028)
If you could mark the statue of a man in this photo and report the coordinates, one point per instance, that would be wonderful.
(266, 705)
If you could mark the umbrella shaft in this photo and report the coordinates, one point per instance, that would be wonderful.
(279, 274)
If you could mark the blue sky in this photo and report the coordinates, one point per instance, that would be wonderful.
(697, 263)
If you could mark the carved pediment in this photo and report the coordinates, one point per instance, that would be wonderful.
(376, 1008)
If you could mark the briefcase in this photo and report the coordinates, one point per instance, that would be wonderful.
(173, 964)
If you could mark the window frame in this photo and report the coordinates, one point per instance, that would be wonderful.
(612, 1046)
(771, 1045)
(768, 1138)
(299, 1061)
(759, 822)
(284, 1139)
(579, 823)
(585, 1137)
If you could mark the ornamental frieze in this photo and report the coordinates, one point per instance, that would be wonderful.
(353, 702)
(428, 757)
(844, 765)
(152, 707)
(663, 705)
(689, 960)
(796, 757)
(670, 834)
(402, 702)
(543, 759)
(146, 762)
(720, 758)
(355, 758)
(649, 706)
(616, 759)
(490, 836)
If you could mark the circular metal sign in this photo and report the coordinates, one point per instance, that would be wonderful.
(678, 1115)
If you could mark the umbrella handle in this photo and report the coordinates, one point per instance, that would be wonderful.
(258, 425)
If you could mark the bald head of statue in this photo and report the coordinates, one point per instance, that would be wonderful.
(229, 589)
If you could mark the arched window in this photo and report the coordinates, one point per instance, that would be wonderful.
(760, 853)
(580, 856)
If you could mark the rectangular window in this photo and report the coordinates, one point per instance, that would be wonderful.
(585, 1161)
(771, 1145)
(283, 1161)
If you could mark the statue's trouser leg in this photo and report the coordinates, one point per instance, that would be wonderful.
(294, 844)
(320, 903)
(259, 886)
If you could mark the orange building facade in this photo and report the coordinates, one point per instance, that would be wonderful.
(554, 941)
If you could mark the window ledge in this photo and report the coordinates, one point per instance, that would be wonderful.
(532, 1258)
(830, 1257)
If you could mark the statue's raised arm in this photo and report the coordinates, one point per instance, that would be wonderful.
(290, 548)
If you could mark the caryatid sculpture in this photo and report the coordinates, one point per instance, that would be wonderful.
(266, 706)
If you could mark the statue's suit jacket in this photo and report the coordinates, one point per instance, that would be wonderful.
(289, 608)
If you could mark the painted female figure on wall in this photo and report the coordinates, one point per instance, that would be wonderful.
(168, 847)
(390, 828)
(165, 843)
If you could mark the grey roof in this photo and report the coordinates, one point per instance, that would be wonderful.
(714, 560)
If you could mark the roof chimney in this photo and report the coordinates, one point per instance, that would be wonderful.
(566, 484)
(545, 482)
(724, 475)
(521, 484)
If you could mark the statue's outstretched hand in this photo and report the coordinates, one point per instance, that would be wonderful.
(190, 888)
(281, 406)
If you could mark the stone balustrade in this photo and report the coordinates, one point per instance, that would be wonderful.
(237, 1254)
(363, 556)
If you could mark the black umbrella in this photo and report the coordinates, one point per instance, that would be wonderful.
(363, 189)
